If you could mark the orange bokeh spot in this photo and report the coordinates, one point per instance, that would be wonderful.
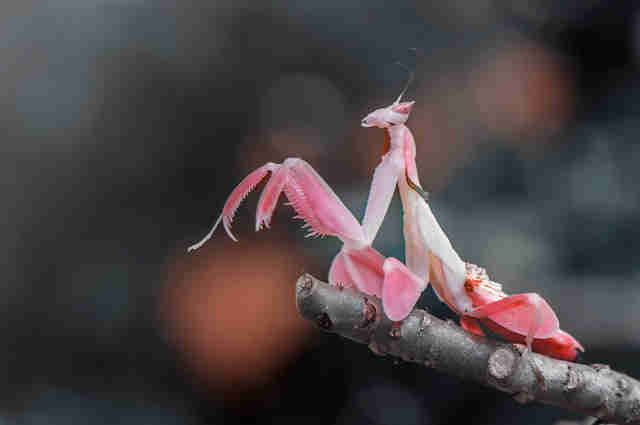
(230, 311)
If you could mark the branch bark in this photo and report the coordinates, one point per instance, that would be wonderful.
(594, 390)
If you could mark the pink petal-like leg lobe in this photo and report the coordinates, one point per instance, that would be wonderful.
(360, 268)
(318, 205)
(269, 197)
(369, 274)
(470, 324)
(525, 314)
(560, 345)
(338, 274)
(400, 291)
(233, 202)
(569, 340)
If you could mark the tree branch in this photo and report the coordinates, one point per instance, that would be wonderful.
(594, 390)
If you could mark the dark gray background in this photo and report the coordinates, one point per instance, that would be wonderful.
(125, 124)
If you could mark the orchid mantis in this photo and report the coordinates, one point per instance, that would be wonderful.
(430, 257)
(464, 287)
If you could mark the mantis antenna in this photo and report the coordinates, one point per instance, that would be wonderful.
(407, 84)
(411, 75)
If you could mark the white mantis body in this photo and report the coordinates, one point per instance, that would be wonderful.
(430, 257)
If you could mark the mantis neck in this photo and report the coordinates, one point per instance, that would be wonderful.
(402, 144)
(396, 135)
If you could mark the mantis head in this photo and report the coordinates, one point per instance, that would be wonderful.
(396, 113)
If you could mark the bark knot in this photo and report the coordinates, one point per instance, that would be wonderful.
(573, 380)
(396, 330)
(424, 323)
(501, 364)
(600, 367)
(305, 284)
(368, 314)
(323, 321)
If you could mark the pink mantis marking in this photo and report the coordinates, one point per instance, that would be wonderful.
(465, 288)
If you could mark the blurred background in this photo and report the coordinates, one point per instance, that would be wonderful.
(126, 123)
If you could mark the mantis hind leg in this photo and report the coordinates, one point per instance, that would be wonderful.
(525, 314)
(401, 289)
(470, 324)
(528, 315)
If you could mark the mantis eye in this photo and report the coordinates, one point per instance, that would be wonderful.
(403, 108)
(367, 122)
